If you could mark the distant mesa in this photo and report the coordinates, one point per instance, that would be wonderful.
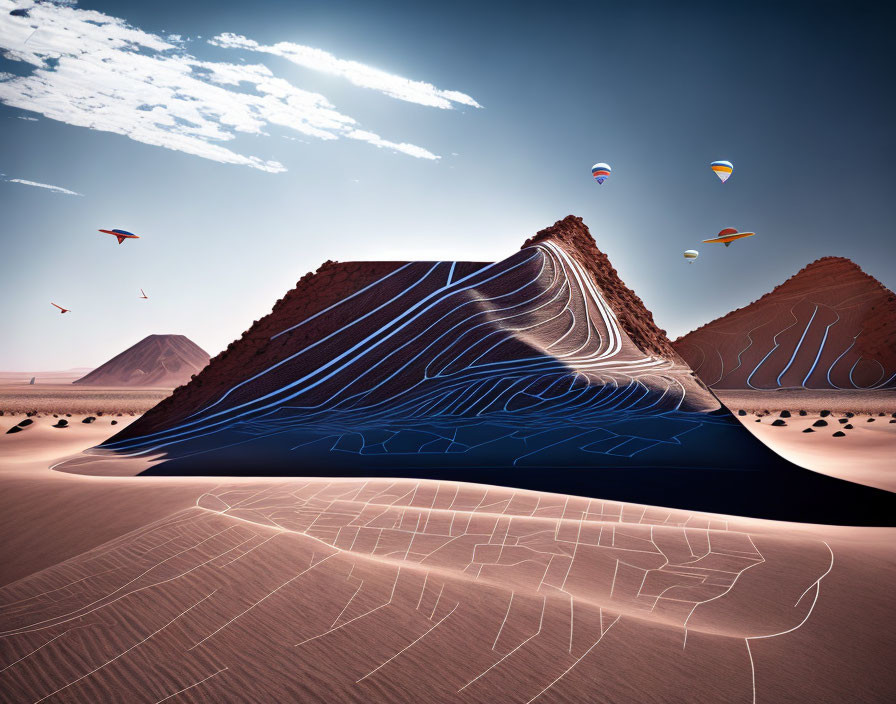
(541, 371)
(163, 361)
(831, 326)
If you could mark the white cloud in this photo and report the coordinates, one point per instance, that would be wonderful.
(96, 71)
(357, 73)
(55, 189)
(29, 119)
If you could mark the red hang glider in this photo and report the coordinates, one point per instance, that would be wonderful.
(61, 309)
(729, 235)
(122, 235)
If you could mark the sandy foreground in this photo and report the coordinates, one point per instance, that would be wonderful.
(150, 589)
(864, 450)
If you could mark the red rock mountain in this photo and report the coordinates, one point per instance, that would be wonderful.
(157, 360)
(326, 301)
(830, 326)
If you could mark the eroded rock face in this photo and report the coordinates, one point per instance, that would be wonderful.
(831, 326)
(156, 361)
(443, 358)
(572, 234)
(541, 371)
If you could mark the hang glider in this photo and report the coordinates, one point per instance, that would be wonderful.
(142, 294)
(122, 235)
(61, 309)
(728, 235)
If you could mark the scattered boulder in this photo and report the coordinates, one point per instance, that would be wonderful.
(819, 424)
(759, 420)
(839, 434)
(871, 420)
(808, 430)
(824, 414)
(843, 420)
(778, 422)
(741, 412)
(20, 426)
(114, 422)
(785, 414)
(849, 414)
(61, 423)
(848, 426)
(803, 413)
(89, 419)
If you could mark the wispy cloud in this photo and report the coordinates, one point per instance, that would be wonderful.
(55, 189)
(357, 73)
(97, 71)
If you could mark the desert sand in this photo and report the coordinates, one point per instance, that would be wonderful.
(66, 376)
(151, 589)
(543, 371)
(863, 449)
(18, 399)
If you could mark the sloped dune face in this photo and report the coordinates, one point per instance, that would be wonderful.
(157, 360)
(379, 591)
(457, 370)
(449, 362)
(831, 326)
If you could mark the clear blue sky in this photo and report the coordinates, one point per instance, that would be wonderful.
(245, 161)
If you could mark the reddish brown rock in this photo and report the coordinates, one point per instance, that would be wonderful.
(155, 361)
(830, 326)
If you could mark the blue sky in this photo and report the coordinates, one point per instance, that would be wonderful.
(247, 143)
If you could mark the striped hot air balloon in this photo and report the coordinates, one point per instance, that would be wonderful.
(722, 169)
(601, 172)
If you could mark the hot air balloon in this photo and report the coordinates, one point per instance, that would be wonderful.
(691, 255)
(601, 172)
(722, 169)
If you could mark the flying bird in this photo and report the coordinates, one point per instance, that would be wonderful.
(61, 309)
(122, 235)
(142, 294)
(728, 235)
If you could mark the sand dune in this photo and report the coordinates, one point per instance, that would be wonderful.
(389, 590)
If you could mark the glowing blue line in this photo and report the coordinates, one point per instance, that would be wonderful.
(797, 348)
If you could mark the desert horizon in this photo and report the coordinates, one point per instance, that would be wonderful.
(415, 353)
(198, 574)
